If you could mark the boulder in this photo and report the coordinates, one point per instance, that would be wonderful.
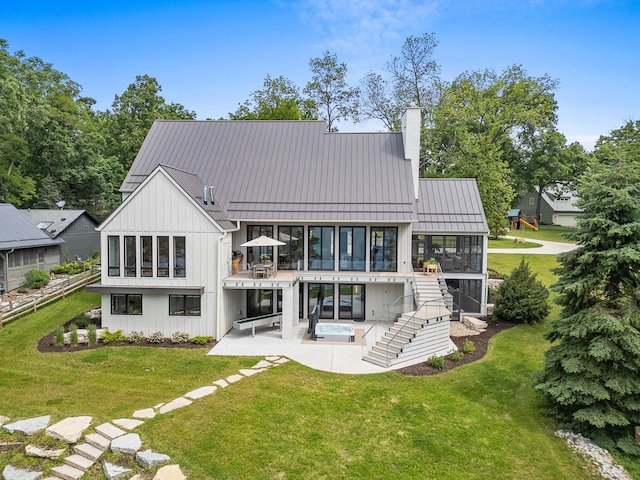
(169, 472)
(114, 472)
(12, 473)
(149, 458)
(128, 444)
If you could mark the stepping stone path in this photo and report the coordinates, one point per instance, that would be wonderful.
(108, 435)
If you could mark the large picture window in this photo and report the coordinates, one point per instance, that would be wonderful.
(322, 294)
(179, 257)
(184, 305)
(293, 251)
(126, 304)
(384, 249)
(163, 257)
(129, 256)
(113, 247)
(254, 253)
(146, 256)
(454, 253)
(352, 248)
(321, 248)
(259, 302)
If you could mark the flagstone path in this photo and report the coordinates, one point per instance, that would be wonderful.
(114, 435)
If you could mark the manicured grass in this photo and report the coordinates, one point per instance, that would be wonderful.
(554, 233)
(478, 421)
(542, 265)
(509, 243)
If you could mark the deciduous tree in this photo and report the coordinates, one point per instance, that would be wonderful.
(329, 91)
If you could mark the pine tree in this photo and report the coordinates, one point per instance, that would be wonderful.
(521, 298)
(591, 378)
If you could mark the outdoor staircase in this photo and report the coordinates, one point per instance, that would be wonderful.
(86, 454)
(416, 334)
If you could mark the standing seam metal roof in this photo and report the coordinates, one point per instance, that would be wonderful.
(16, 231)
(450, 205)
(285, 170)
(59, 220)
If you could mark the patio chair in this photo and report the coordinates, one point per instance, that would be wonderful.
(260, 271)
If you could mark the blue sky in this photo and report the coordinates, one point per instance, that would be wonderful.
(210, 55)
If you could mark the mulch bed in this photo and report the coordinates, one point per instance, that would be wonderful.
(480, 341)
(48, 344)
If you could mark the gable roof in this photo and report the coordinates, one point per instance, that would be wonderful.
(193, 186)
(16, 231)
(450, 205)
(561, 206)
(54, 222)
(285, 170)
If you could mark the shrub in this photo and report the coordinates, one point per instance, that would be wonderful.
(82, 321)
(201, 340)
(59, 336)
(37, 278)
(73, 334)
(468, 347)
(115, 337)
(521, 298)
(135, 337)
(456, 356)
(22, 290)
(157, 337)
(179, 337)
(436, 362)
(92, 335)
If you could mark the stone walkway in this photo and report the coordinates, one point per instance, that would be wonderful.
(114, 435)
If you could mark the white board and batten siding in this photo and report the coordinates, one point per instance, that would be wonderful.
(159, 208)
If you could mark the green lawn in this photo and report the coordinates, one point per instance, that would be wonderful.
(554, 233)
(509, 243)
(479, 421)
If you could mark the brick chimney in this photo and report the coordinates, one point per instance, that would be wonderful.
(411, 140)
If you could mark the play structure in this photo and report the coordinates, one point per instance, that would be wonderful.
(518, 221)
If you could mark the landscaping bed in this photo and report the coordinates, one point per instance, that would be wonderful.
(480, 341)
(48, 342)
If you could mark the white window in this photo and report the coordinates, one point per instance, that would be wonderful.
(532, 200)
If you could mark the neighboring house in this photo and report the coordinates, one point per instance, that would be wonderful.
(356, 222)
(23, 247)
(76, 227)
(557, 207)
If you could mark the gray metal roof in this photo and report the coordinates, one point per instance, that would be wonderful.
(285, 170)
(450, 205)
(193, 186)
(16, 231)
(54, 222)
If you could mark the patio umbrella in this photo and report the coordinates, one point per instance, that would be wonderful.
(262, 241)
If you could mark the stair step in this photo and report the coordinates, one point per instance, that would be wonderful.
(388, 350)
(96, 440)
(67, 472)
(374, 360)
(79, 462)
(109, 431)
(88, 451)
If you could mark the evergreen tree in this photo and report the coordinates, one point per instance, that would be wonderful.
(521, 298)
(591, 378)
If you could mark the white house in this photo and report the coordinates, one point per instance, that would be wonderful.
(355, 222)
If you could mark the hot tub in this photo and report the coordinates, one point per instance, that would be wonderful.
(335, 331)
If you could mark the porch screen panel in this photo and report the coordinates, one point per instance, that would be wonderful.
(254, 253)
(321, 248)
(352, 249)
(113, 247)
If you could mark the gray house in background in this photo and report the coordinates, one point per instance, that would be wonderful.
(23, 247)
(557, 208)
(76, 227)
